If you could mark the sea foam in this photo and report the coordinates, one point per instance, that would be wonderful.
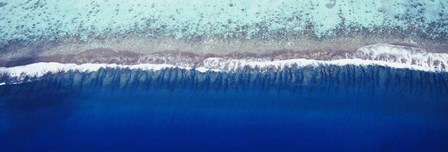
(393, 56)
(387, 55)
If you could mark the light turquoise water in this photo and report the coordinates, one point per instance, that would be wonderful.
(184, 19)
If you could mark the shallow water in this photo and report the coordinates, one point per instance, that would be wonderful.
(330, 108)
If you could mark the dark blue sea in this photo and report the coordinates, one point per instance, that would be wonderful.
(328, 108)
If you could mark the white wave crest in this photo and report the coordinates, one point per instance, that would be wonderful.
(381, 55)
(42, 68)
(394, 56)
(405, 55)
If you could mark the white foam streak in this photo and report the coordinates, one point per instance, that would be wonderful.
(406, 56)
(41, 68)
(381, 55)
(394, 56)
(236, 64)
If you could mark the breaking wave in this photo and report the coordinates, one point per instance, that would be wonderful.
(386, 55)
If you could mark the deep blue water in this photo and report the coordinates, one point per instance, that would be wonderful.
(311, 109)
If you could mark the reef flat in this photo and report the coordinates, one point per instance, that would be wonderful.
(43, 30)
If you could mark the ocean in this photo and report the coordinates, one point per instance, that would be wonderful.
(223, 75)
(322, 108)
